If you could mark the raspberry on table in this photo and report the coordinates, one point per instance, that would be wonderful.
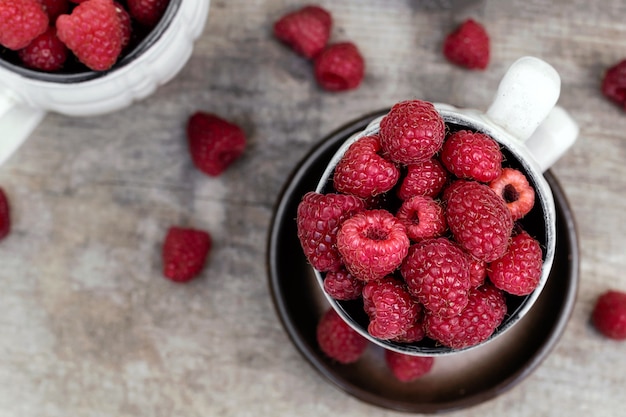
(338, 340)
(341, 285)
(372, 244)
(407, 368)
(21, 21)
(305, 30)
(484, 312)
(93, 33)
(609, 314)
(478, 219)
(518, 271)
(214, 143)
(472, 155)
(425, 178)
(614, 83)
(339, 67)
(5, 215)
(422, 217)
(363, 172)
(391, 309)
(319, 217)
(147, 12)
(468, 46)
(412, 132)
(517, 193)
(184, 253)
(46, 52)
(436, 272)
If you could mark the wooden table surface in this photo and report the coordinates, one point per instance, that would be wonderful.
(88, 326)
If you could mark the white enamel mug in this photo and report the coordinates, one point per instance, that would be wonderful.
(27, 95)
(533, 133)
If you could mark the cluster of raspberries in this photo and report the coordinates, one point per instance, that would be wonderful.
(422, 225)
(49, 35)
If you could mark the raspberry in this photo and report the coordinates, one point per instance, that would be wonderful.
(5, 215)
(407, 368)
(436, 272)
(306, 30)
(477, 270)
(514, 188)
(476, 323)
(614, 83)
(519, 270)
(472, 155)
(372, 243)
(126, 23)
(391, 309)
(184, 253)
(479, 219)
(214, 143)
(147, 12)
(341, 285)
(21, 21)
(55, 8)
(93, 33)
(609, 314)
(468, 46)
(339, 67)
(416, 332)
(422, 217)
(318, 219)
(338, 340)
(425, 178)
(412, 132)
(46, 52)
(363, 172)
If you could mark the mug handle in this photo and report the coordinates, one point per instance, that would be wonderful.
(17, 122)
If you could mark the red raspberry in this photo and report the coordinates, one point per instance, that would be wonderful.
(484, 312)
(391, 309)
(55, 8)
(93, 33)
(46, 52)
(214, 143)
(318, 219)
(472, 155)
(436, 272)
(477, 270)
(5, 215)
(341, 285)
(416, 332)
(614, 83)
(412, 132)
(479, 220)
(519, 270)
(422, 217)
(609, 314)
(184, 253)
(407, 368)
(372, 243)
(21, 21)
(338, 340)
(514, 188)
(425, 178)
(305, 30)
(363, 172)
(126, 23)
(339, 67)
(147, 12)
(468, 46)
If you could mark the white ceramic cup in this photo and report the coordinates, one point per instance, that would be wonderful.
(27, 95)
(534, 133)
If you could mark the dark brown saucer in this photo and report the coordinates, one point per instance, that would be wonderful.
(455, 382)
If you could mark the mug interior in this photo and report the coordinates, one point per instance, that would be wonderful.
(539, 223)
(74, 71)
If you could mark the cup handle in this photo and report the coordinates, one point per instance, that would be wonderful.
(17, 122)
(526, 94)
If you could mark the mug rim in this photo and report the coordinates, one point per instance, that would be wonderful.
(69, 78)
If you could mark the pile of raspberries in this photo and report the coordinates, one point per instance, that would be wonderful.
(422, 225)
